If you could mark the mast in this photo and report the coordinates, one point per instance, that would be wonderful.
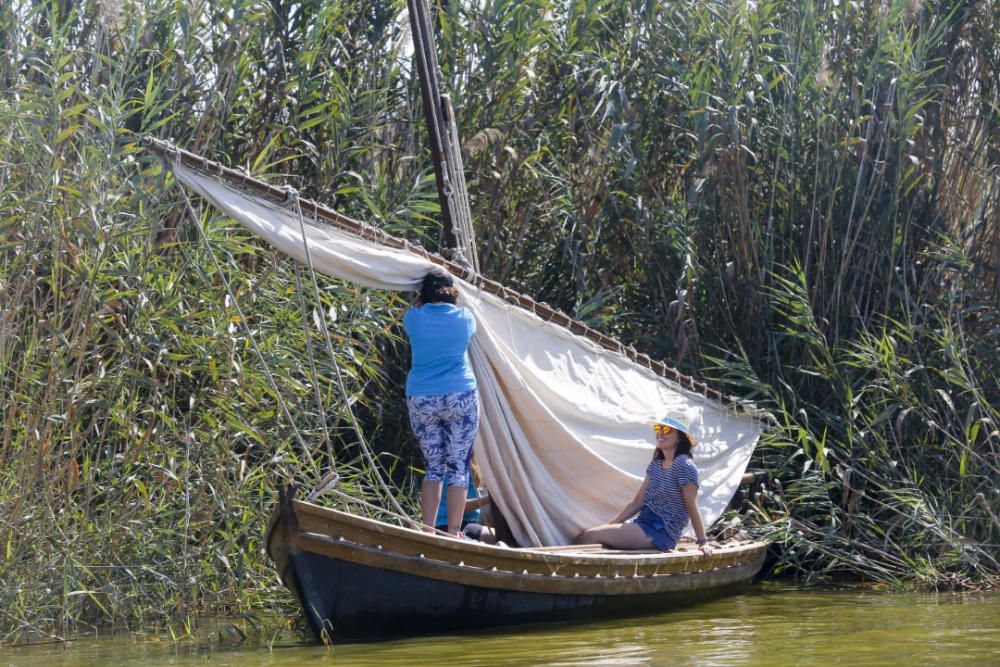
(456, 215)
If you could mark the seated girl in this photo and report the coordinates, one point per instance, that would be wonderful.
(665, 502)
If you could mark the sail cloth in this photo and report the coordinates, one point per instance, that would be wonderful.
(564, 437)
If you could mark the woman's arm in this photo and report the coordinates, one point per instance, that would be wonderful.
(634, 506)
(476, 503)
(690, 493)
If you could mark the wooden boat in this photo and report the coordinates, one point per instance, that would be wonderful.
(358, 579)
(361, 579)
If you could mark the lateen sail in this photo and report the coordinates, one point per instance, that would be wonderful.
(564, 438)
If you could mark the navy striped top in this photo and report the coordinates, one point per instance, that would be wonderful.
(663, 493)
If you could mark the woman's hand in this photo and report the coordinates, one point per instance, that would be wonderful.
(706, 548)
(633, 507)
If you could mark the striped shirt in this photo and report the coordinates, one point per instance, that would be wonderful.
(663, 493)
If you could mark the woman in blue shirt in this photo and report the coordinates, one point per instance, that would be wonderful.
(441, 394)
(665, 502)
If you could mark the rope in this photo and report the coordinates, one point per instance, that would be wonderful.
(312, 365)
(246, 328)
(398, 515)
(463, 224)
(365, 449)
(327, 442)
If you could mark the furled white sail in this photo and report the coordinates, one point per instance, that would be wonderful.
(564, 438)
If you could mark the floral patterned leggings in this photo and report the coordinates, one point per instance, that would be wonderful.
(445, 426)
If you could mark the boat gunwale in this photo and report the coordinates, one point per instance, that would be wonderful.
(530, 582)
(723, 555)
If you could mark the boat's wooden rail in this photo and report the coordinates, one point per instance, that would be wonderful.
(591, 567)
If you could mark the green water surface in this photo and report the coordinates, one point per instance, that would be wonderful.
(771, 625)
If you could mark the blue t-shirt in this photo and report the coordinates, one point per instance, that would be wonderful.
(468, 517)
(439, 339)
(663, 493)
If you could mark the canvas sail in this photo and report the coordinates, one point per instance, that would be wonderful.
(564, 436)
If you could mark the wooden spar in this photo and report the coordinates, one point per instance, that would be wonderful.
(452, 195)
(237, 179)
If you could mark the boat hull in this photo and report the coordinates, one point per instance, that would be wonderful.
(348, 601)
(358, 579)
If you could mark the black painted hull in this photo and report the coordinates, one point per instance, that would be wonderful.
(355, 602)
(358, 579)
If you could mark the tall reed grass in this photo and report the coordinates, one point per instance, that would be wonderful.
(795, 199)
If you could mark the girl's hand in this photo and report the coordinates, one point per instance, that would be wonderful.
(706, 548)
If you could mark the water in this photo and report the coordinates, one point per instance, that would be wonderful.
(771, 625)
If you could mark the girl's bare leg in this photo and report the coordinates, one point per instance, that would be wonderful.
(617, 536)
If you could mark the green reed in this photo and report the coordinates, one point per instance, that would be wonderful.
(797, 200)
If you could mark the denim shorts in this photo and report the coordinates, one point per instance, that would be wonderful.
(653, 526)
(445, 426)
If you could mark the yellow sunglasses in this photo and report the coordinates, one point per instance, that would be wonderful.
(662, 429)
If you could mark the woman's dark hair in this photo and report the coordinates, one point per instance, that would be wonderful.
(683, 447)
(438, 287)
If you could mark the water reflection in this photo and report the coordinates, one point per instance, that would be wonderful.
(771, 625)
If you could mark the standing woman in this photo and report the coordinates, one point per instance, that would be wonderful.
(665, 502)
(441, 394)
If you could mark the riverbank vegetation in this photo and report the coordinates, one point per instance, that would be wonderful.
(796, 201)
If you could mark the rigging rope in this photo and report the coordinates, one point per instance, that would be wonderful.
(464, 231)
(330, 479)
(365, 449)
(246, 328)
(312, 363)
